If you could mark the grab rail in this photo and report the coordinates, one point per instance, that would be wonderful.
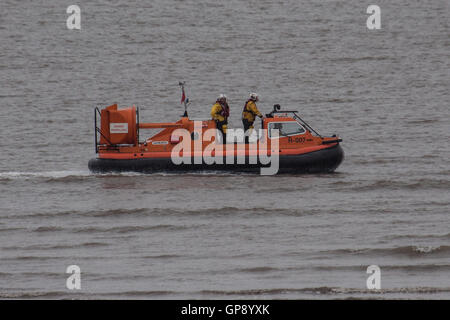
(97, 129)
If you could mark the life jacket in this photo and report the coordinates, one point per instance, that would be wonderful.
(246, 110)
(225, 110)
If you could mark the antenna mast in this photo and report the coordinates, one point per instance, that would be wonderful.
(184, 98)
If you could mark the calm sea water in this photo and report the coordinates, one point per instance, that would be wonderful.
(385, 92)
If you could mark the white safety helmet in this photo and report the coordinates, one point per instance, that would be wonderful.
(222, 97)
(254, 96)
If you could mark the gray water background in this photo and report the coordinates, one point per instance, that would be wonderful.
(162, 236)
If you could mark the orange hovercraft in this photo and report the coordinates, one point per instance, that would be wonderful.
(300, 148)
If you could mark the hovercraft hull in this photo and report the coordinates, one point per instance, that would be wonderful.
(320, 161)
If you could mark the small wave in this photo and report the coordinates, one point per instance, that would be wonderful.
(128, 229)
(229, 211)
(141, 293)
(114, 212)
(50, 247)
(367, 58)
(405, 250)
(258, 269)
(32, 258)
(356, 268)
(67, 179)
(172, 173)
(68, 175)
(422, 121)
(419, 236)
(373, 160)
(11, 229)
(385, 267)
(42, 247)
(403, 185)
(51, 175)
(119, 277)
(431, 249)
(419, 267)
(89, 213)
(33, 295)
(94, 244)
(274, 190)
(340, 100)
(31, 274)
(48, 229)
(239, 211)
(316, 291)
(325, 291)
(162, 256)
(275, 291)
(217, 211)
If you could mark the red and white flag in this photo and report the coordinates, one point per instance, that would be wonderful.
(183, 95)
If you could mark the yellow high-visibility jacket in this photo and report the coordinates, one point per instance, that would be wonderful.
(250, 111)
(216, 111)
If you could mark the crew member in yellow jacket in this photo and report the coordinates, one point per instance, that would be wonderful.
(249, 114)
(220, 112)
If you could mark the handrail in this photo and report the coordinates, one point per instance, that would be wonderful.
(160, 125)
(296, 116)
(306, 125)
(137, 127)
(97, 129)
